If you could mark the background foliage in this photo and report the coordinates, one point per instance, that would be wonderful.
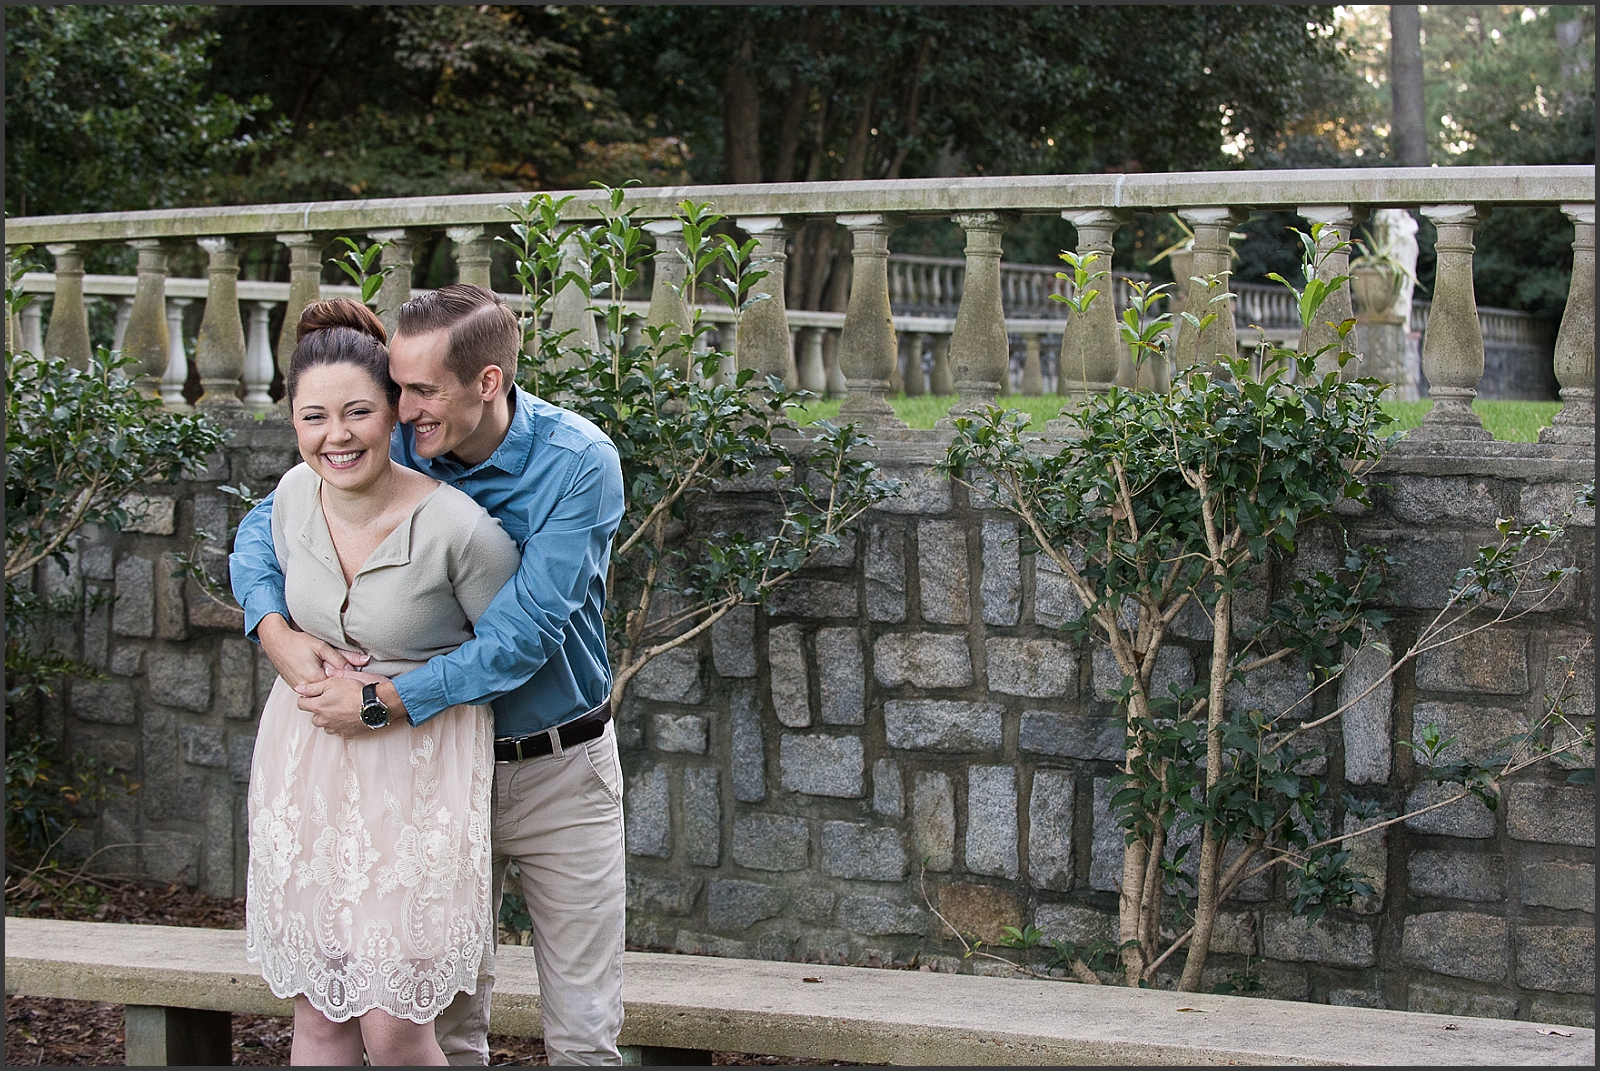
(138, 107)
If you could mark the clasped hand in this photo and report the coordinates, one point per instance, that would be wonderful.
(328, 680)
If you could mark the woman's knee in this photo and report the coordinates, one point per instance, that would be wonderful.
(394, 1041)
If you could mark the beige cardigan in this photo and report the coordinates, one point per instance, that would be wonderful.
(418, 594)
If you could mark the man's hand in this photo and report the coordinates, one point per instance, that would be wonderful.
(335, 703)
(298, 656)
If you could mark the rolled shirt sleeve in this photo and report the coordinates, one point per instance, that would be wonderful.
(254, 571)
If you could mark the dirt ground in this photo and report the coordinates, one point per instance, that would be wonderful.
(62, 1033)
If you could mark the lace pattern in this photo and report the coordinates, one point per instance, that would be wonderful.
(368, 878)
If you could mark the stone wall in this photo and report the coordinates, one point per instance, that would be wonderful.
(910, 703)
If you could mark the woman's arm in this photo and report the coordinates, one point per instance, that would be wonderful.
(257, 580)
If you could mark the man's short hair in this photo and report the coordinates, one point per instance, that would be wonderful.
(483, 329)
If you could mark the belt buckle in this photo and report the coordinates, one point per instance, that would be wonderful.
(517, 743)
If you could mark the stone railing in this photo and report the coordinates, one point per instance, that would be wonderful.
(874, 347)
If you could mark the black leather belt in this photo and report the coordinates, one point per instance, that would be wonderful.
(579, 730)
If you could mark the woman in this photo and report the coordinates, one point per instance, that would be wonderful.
(368, 884)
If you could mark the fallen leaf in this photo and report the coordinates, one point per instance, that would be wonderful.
(1556, 1033)
(811, 979)
(1192, 1009)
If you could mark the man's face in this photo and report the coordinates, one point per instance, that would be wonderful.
(444, 413)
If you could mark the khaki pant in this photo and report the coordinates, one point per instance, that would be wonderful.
(560, 818)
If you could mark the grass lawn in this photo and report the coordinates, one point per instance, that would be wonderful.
(1517, 422)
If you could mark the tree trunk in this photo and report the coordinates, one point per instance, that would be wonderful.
(741, 117)
(1408, 131)
(912, 109)
(1206, 903)
(794, 110)
(794, 113)
(854, 166)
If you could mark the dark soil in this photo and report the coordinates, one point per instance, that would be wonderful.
(59, 1033)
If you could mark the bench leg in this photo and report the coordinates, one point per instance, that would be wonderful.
(658, 1056)
(176, 1037)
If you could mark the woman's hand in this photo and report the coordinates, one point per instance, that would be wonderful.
(299, 657)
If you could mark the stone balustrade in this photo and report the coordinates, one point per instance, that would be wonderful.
(898, 330)
(905, 726)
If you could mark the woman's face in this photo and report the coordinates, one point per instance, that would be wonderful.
(343, 421)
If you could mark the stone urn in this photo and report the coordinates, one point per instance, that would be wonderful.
(1373, 288)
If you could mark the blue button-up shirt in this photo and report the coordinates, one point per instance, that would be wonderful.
(539, 650)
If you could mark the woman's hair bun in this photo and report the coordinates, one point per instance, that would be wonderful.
(340, 312)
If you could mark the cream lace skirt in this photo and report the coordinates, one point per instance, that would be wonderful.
(368, 884)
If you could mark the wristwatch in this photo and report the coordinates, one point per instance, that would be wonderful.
(373, 713)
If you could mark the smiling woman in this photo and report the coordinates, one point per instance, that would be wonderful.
(368, 882)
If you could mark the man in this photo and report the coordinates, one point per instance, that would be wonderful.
(554, 482)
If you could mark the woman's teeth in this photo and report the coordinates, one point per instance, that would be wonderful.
(343, 459)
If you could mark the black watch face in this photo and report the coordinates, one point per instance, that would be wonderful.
(375, 714)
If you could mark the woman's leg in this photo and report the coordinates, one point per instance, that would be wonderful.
(394, 1042)
(318, 1041)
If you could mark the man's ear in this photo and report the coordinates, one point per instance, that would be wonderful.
(490, 380)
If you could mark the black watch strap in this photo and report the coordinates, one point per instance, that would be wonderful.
(370, 701)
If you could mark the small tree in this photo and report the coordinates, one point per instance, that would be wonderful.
(1166, 503)
(78, 443)
(683, 428)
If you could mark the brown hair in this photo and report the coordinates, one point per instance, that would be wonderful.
(341, 331)
(483, 329)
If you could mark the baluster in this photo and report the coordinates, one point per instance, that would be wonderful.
(258, 365)
(473, 254)
(667, 308)
(1212, 256)
(1452, 350)
(791, 381)
(813, 377)
(569, 309)
(14, 342)
(32, 327)
(897, 379)
(176, 375)
(144, 336)
(305, 286)
(832, 374)
(398, 249)
(1005, 374)
(219, 349)
(1032, 372)
(940, 379)
(762, 341)
(119, 325)
(916, 381)
(980, 351)
(68, 334)
(1574, 425)
(1090, 344)
(13, 328)
(867, 344)
(1337, 307)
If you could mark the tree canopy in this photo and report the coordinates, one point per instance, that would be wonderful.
(137, 107)
(817, 92)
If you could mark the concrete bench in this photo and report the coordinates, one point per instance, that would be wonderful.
(180, 986)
